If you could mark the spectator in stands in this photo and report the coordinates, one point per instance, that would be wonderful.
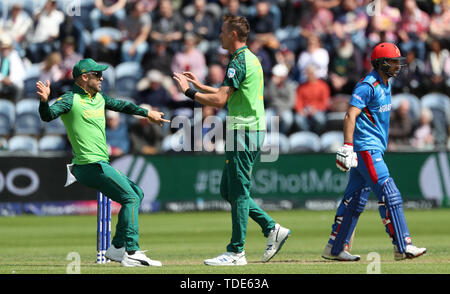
(318, 21)
(287, 57)
(351, 22)
(263, 25)
(18, 25)
(203, 24)
(346, 68)
(315, 55)
(135, 30)
(440, 23)
(12, 70)
(423, 136)
(159, 58)
(148, 6)
(234, 7)
(400, 126)
(215, 76)
(116, 134)
(155, 94)
(112, 11)
(438, 67)
(256, 45)
(50, 70)
(413, 29)
(70, 57)
(279, 98)
(145, 137)
(412, 77)
(383, 27)
(41, 41)
(313, 98)
(168, 26)
(190, 58)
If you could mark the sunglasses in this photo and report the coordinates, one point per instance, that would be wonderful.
(97, 74)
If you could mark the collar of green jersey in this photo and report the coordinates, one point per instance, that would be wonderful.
(79, 90)
(238, 51)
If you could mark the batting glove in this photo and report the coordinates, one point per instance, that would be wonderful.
(346, 158)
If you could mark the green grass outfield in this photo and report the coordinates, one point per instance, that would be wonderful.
(40, 245)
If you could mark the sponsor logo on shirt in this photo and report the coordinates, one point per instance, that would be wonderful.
(385, 108)
(231, 72)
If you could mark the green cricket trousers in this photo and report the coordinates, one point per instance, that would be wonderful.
(236, 184)
(112, 183)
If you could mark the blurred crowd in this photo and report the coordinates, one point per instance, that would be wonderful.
(312, 54)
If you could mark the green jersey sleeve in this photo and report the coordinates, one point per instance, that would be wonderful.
(124, 106)
(62, 105)
(235, 73)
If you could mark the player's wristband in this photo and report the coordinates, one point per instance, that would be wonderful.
(349, 144)
(190, 93)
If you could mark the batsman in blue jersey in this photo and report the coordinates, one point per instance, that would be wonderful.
(366, 130)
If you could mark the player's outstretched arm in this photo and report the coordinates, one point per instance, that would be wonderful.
(43, 90)
(217, 99)
(156, 117)
(192, 78)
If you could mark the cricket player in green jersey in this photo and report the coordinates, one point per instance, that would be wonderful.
(82, 111)
(242, 90)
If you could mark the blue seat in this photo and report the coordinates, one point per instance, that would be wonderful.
(304, 142)
(437, 101)
(23, 143)
(52, 143)
(414, 103)
(54, 127)
(330, 141)
(7, 116)
(28, 120)
(115, 34)
(109, 77)
(128, 75)
(31, 78)
(276, 139)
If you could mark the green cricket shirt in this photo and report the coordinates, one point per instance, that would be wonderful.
(84, 119)
(246, 104)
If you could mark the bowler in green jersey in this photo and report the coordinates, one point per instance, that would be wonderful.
(82, 111)
(242, 91)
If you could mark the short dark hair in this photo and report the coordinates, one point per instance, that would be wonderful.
(239, 24)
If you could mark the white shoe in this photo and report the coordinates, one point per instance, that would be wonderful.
(342, 256)
(275, 241)
(410, 252)
(138, 259)
(115, 254)
(227, 258)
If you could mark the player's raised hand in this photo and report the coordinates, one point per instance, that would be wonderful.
(156, 117)
(182, 81)
(192, 78)
(346, 158)
(43, 91)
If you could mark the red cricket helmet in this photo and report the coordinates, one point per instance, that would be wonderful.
(384, 52)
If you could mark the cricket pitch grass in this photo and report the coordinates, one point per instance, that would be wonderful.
(51, 244)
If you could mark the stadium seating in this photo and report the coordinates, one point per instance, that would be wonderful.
(7, 116)
(275, 139)
(439, 104)
(338, 107)
(413, 101)
(108, 78)
(23, 143)
(304, 142)
(330, 141)
(31, 78)
(114, 34)
(128, 75)
(52, 143)
(28, 121)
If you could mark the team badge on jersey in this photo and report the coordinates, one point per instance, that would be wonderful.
(231, 72)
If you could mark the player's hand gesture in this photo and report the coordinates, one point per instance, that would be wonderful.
(43, 90)
(346, 158)
(156, 117)
(192, 78)
(182, 81)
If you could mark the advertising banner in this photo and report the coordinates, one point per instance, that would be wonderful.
(179, 182)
